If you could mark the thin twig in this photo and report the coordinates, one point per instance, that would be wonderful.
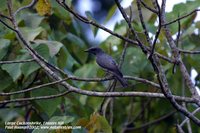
(149, 8)
(5, 24)
(162, 78)
(186, 119)
(32, 88)
(174, 21)
(142, 21)
(177, 42)
(177, 57)
(4, 16)
(34, 98)
(33, 2)
(104, 94)
(20, 61)
(143, 126)
(79, 79)
(110, 78)
(188, 51)
(158, 30)
(87, 21)
(143, 47)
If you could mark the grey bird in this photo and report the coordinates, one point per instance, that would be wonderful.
(108, 63)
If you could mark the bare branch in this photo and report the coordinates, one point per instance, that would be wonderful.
(177, 42)
(143, 47)
(5, 24)
(158, 30)
(149, 8)
(87, 21)
(142, 21)
(102, 94)
(4, 16)
(187, 119)
(188, 51)
(174, 21)
(33, 2)
(34, 98)
(32, 88)
(143, 126)
(177, 57)
(20, 61)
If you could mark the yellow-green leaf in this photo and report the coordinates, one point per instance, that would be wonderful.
(43, 7)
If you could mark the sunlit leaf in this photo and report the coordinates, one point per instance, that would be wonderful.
(13, 70)
(43, 7)
(30, 34)
(53, 46)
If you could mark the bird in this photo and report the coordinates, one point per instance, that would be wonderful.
(106, 62)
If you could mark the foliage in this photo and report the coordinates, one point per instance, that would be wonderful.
(58, 37)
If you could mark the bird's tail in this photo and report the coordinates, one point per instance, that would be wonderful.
(123, 81)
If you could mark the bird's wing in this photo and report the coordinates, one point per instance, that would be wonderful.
(107, 62)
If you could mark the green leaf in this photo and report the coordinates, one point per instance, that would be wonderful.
(98, 123)
(43, 50)
(111, 13)
(28, 68)
(13, 70)
(121, 29)
(4, 44)
(87, 70)
(90, 17)
(61, 12)
(136, 63)
(29, 17)
(65, 60)
(75, 40)
(104, 125)
(49, 106)
(30, 34)
(5, 81)
(54, 46)
(3, 5)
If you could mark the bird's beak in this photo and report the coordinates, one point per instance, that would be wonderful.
(87, 50)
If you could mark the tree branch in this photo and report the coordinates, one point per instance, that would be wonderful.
(143, 126)
(20, 61)
(102, 94)
(87, 21)
(33, 2)
(174, 21)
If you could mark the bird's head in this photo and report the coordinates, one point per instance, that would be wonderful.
(94, 50)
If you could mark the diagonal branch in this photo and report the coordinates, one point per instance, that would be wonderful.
(143, 47)
(177, 57)
(147, 7)
(158, 30)
(27, 6)
(179, 18)
(87, 21)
